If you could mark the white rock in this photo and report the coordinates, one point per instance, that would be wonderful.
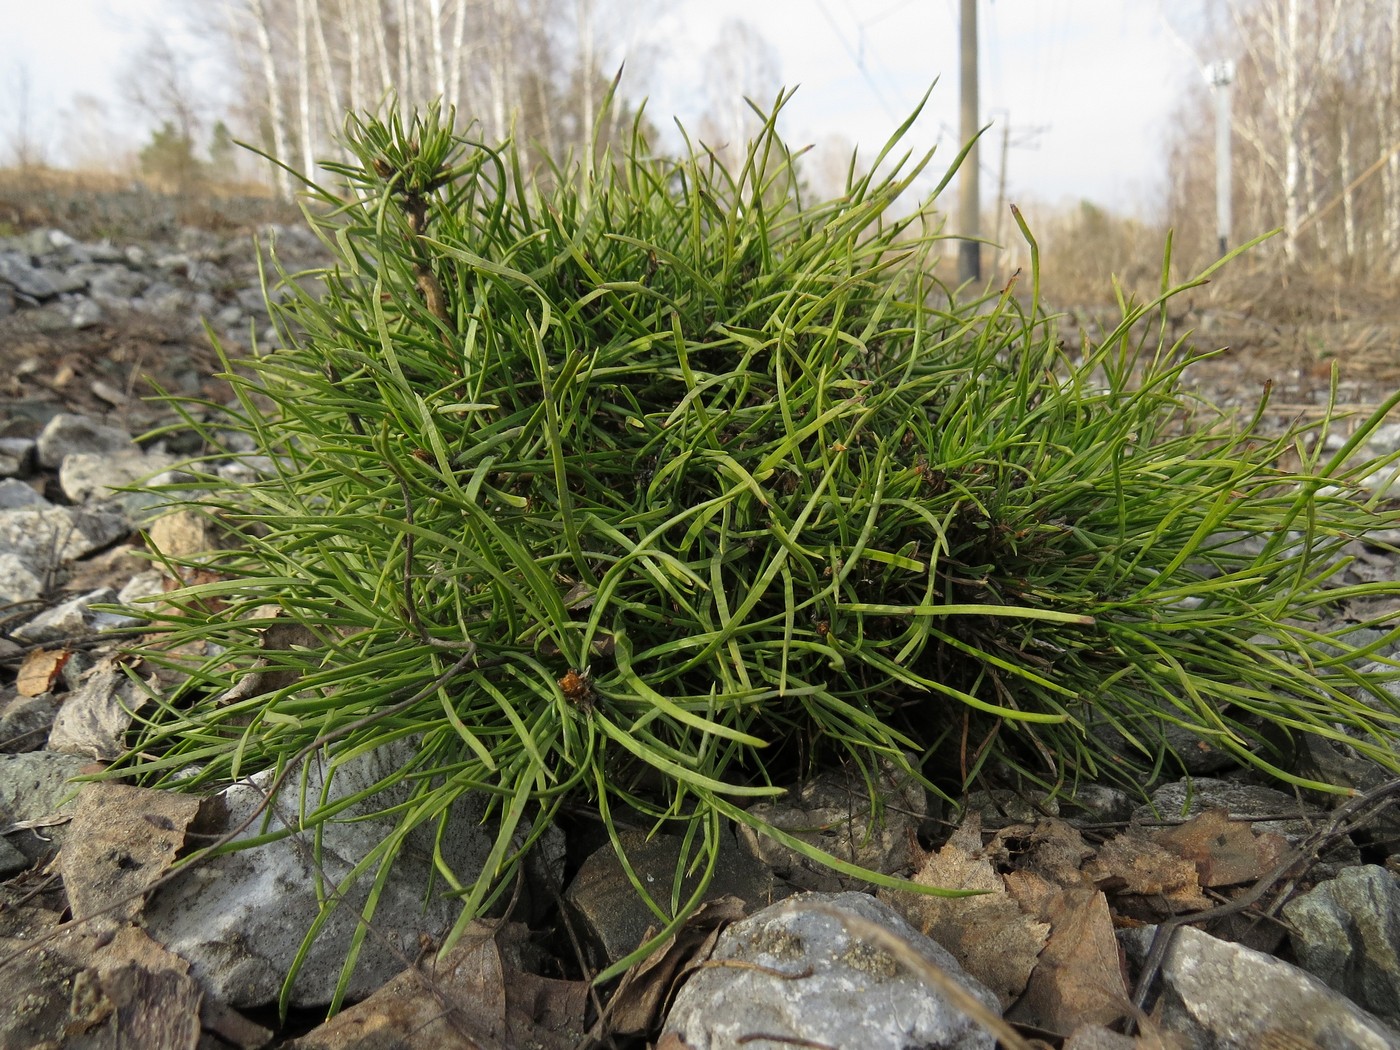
(1219, 994)
(72, 619)
(16, 456)
(846, 992)
(46, 537)
(18, 580)
(85, 313)
(88, 475)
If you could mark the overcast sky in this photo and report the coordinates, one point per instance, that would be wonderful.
(1086, 87)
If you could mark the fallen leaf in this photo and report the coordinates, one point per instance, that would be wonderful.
(1128, 864)
(545, 1012)
(40, 671)
(1051, 848)
(990, 935)
(231, 1027)
(647, 988)
(466, 1000)
(1225, 852)
(90, 988)
(1079, 977)
(121, 840)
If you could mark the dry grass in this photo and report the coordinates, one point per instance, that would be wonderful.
(92, 205)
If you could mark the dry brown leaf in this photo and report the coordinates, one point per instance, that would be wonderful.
(545, 1012)
(1052, 849)
(40, 670)
(1097, 1037)
(1131, 864)
(470, 999)
(646, 989)
(121, 840)
(456, 1003)
(1029, 890)
(99, 988)
(1225, 852)
(993, 939)
(1079, 978)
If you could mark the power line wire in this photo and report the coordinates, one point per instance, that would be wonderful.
(857, 61)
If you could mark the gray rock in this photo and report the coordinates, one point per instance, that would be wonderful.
(37, 798)
(251, 300)
(46, 537)
(15, 494)
(116, 284)
(1098, 803)
(16, 457)
(19, 582)
(93, 721)
(1193, 753)
(1188, 797)
(84, 313)
(34, 283)
(228, 317)
(25, 721)
(1222, 996)
(832, 812)
(1347, 932)
(67, 434)
(1001, 806)
(64, 622)
(103, 251)
(12, 861)
(614, 919)
(87, 475)
(839, 992)
(240, 918)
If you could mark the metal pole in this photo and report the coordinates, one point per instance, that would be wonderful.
(1001, 180)
(1221, 76)
(969, 203)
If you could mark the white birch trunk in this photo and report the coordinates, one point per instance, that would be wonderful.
(404, 81)
(1348, 195)
(375, 21)
(459, 40)
(499, 66)
(272, 82)
(1291, 127)
(308, 148)
(334, 112)
(435, 20)
(355, 48)
(1390, 178)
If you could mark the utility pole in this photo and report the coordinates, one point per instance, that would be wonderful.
(1221, 75)
(969, 201)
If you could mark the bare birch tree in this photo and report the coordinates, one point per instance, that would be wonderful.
(1316, 130)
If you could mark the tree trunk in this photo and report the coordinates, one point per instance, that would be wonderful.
(1291, 127)
(308, 146)
(1348, 194)
(1390, 179)
(435, 20)
(276, 117)
(334, 112)
(453, 93)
